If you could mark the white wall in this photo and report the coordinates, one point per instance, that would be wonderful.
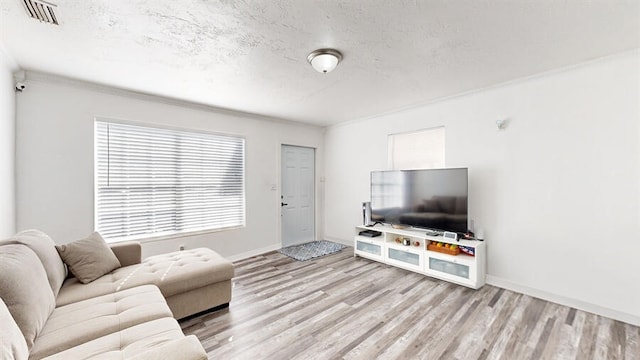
(7, 146)
(557, 192)
(55, 161)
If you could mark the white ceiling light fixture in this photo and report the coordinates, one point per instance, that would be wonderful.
(324, 60)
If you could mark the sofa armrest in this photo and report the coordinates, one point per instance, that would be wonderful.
(128, 252)
(187, 348)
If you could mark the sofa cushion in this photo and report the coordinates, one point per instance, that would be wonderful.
(120, 279)
(182, 271)
(45, 248)
(127, 252)
(88, 259)
(83, 321)
(126, 343)
(173, 273)
(25, 290)
(186, 348)
(12, 343)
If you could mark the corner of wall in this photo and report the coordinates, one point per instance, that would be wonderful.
(7, 144)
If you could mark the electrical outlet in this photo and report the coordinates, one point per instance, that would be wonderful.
(181, 248)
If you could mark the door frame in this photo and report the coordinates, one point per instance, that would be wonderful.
(279, 188)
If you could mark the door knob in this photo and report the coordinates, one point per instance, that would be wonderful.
(283, 204)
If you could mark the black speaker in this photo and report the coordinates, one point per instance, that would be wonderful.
(366, 213)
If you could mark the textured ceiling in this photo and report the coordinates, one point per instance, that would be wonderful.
(251, 55)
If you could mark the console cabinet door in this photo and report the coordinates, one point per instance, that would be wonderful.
(459, 269)
(368, 248)
(405, 258)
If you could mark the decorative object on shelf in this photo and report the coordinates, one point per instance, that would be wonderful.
(404, 241)
(443, 248)
(468, 250)
(324, 60)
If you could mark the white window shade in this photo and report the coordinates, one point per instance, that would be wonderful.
(422, 149)
(155, 182)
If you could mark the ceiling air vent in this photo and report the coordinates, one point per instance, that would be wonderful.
(42, 11)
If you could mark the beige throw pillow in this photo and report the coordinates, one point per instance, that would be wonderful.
(45, 248)
(88, 259)
(25, 290)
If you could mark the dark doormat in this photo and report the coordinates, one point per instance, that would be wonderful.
(311, 250)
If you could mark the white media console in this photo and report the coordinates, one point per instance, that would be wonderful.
(388, 248)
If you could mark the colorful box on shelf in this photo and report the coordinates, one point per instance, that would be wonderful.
(442, 249)
(468, 250)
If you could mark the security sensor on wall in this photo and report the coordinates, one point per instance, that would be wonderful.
(502, 124)
(19, 80)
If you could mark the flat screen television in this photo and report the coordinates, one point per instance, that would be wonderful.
(428, 199)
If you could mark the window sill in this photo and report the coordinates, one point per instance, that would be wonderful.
(150, 239)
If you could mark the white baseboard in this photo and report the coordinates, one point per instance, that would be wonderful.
(254, 252)
(340, 241)
(574, 303)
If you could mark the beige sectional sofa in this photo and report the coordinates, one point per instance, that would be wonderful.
(129, 313)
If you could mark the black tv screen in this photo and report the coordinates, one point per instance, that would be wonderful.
(429, 199)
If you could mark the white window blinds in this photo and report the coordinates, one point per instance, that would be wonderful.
(155, 182)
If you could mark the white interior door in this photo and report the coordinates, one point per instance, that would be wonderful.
(298, 195)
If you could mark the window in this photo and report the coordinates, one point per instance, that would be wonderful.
(386, 189)
(155, 182)
(422, 149)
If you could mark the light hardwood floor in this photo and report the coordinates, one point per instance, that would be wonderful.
(341, 307)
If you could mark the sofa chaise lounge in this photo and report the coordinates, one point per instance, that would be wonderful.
(127, 313)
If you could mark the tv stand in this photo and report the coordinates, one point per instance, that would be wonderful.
(420, 254)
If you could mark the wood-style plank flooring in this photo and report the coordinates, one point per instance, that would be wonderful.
(342, 307)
